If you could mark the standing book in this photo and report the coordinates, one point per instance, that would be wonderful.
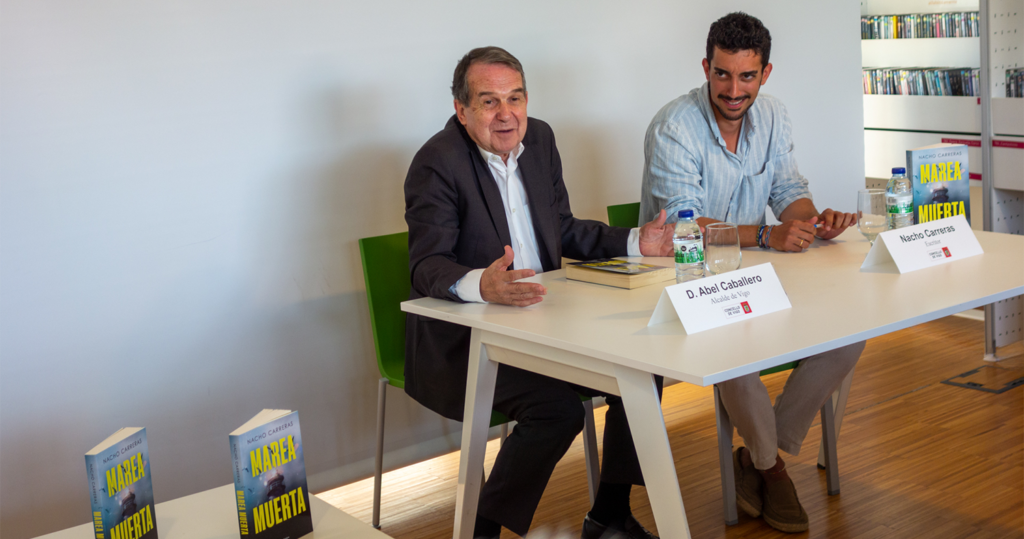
(121, 487)
(270, 477)
(941, 180)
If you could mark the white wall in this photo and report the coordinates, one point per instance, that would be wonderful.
(183, 184)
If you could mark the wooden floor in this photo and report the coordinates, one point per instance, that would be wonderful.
(917, 458)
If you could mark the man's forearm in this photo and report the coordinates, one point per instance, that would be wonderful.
(801, 209)
(748, 233)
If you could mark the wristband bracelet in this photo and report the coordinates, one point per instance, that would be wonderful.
(760, 236)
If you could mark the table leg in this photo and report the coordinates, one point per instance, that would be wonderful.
(828, 442)
(646, 422)
(725, 461)
(479, 398)
(839, 409)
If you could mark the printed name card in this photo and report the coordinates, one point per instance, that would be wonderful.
(722, 299)
(920, 246)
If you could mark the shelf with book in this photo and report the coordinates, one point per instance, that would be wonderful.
(936, 116)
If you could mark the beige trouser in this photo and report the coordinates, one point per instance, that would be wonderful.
(766, 429)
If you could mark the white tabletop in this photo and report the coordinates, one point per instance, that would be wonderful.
(211, 515)
(832, 299)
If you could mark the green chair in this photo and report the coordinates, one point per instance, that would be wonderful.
(624, 215)
(628, 215)
(386, 274)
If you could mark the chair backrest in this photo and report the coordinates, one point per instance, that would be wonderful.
(624, 215)
(386, 272)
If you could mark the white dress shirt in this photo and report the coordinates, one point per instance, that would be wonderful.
(520, 224)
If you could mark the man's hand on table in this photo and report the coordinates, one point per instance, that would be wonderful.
(797, 235)
(656, 237)
(794, 236)
(497, 286)
(833, 223)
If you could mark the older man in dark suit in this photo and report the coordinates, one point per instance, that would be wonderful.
(486, 206)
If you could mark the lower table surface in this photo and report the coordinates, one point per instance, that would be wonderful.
(211, 515)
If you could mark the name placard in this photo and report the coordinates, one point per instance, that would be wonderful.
(922, 246)
(722, 299)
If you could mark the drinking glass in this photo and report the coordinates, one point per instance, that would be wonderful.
(871, 218)
(722, 253)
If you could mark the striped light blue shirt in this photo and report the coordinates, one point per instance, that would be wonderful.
(687, 164)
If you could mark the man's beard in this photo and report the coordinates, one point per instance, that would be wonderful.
(729, 115)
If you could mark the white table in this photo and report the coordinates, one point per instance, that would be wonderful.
(597, 336)
(211, 514)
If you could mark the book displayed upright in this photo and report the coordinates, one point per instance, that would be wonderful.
(270, 477)
(121, 487)
(941, 180)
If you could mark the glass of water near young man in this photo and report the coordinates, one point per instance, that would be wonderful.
(722, 253)
(871, 218)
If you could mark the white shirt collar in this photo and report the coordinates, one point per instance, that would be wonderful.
(495, 158)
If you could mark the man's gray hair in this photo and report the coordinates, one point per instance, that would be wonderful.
(482, 55)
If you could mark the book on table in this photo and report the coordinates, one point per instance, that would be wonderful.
(618, 273)
(941, 179)
(271, 496)
(121, 487)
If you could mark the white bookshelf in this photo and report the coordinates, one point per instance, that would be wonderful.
(923, 52)
(1008, 127)
(939, 116)
(895, 123)
(899, 7)
(889, 149)
(1008, 115)
(946, 114)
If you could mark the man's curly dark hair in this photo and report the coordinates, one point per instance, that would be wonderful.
(739, 32)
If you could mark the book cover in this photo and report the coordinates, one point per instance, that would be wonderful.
(616, 265)
(941, 180)
(270, 477)
(618, 273)
(121, 486)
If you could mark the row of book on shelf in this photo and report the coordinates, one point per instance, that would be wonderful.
(922, 81)
(919, 25)
(1015, 82)
(271, 497)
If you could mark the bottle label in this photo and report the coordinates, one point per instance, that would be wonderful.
(689, 252)
(900, 207)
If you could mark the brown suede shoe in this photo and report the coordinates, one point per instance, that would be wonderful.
(748, 485)
(781, 508)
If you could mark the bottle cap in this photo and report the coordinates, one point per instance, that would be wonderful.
(686, 214)
(899, 170)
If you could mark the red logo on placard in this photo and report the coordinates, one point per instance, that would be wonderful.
(945, 251)
(746, 306)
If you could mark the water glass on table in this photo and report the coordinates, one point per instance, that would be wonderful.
(871, 217)
(722, 253)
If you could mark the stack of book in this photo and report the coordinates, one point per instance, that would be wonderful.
(1015, 82)
(918, 25)
(961, 81)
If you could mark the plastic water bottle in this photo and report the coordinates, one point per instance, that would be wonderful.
(899, 200)
(689, 247)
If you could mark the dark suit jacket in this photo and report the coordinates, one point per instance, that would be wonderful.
(457, 223)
